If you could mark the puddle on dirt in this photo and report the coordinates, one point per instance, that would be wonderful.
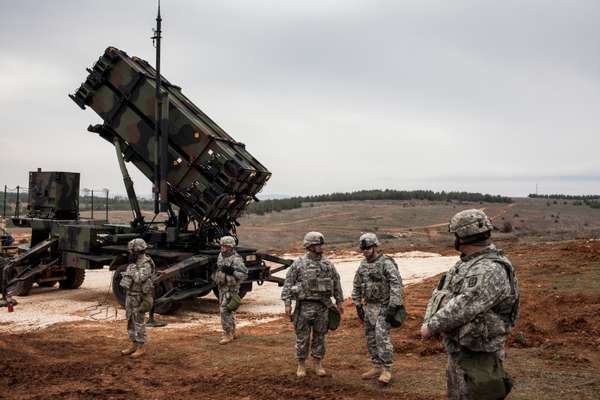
(93, 301)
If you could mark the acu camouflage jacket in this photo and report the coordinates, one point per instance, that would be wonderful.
(378, 282)
(479, 303)
(312, 279)
(240, 272)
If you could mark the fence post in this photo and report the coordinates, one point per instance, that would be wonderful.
(4, 201)
(92, 216)
(107, 206)
(17, 208)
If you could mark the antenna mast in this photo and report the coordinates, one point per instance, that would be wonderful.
(160, 185)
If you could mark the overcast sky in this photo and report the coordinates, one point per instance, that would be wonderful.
(330, 95)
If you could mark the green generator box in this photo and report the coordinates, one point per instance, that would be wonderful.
(53, 195)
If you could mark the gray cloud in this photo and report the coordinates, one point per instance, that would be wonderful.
(330, 95)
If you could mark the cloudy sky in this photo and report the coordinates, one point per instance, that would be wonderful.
(330, 95)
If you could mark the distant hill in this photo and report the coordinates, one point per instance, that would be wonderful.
(266, 206)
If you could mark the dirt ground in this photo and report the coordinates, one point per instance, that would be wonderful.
(554, 352)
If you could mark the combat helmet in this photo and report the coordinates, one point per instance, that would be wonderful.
(470, 223)
(367, 240)
(227, 241)
(313, 238)
(137, 245)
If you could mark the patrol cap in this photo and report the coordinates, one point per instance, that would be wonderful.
(227, 241)
(469, 223)
(367, 240)
(137, 245)
(313, 238)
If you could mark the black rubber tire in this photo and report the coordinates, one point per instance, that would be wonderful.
(165, 308)
(20, 288)
(75, 278)
(47, 284)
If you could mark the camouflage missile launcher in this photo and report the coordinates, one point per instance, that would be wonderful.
(204, 172)
(210, 175)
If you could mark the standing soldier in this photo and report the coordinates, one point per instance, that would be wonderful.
(230, 274)
(378, 296)
(311, 281)
(474, 307)
(138, 283)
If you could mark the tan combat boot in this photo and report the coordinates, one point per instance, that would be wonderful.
(372, 373)
(132, 348)
(301, 371)
(319, 368)
(140, 351)
(227, 338)
(386, 376)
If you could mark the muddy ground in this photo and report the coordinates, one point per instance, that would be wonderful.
(554, 352)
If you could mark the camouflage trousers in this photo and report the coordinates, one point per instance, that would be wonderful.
(377, 332)
(310, 317)
(136, 329)
(227, 317)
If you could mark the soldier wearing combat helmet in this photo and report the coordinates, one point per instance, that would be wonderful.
(138, 284)
(311, 281)
(231, 272)
(474, 308)
(378, 296)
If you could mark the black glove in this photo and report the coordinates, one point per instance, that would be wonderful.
(227, 269)
(360, 311)
(390, 313)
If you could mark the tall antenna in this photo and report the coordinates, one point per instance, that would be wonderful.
(157, 113)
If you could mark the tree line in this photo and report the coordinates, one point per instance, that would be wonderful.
(266, 206)
(591, 200)
(559, 196)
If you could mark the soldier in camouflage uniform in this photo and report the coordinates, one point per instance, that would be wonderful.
(377, 294)
(311, 281)
(140, 290)
(474, 308)
(230, 274)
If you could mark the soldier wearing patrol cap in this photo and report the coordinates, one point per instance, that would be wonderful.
(140, 290)
(378, 296)
(229, 275)
(311, 281)
(474, 308)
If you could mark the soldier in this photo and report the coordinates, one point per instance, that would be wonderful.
(311, 281)
(230, 273)
(474, 307)
(138, 283)
(378, 295)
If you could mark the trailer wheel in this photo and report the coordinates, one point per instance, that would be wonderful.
(165, 308)
(19, 288)
(75, 278)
